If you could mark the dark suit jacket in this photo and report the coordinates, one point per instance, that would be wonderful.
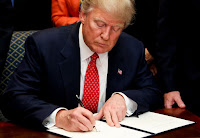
(177, 52)
(49, 75)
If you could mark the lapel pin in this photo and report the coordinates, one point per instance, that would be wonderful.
(119, 71)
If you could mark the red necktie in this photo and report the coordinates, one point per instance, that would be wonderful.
(91, 86)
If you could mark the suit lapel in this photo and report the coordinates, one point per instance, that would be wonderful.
(116, 72)
(70, 68)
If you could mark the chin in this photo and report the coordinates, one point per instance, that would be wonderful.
(98, 50)
(101, 51)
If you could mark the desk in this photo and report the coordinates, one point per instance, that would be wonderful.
(188, 131)
(8, 130)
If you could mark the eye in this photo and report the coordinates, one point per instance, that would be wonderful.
(100, 24)
(116, 28)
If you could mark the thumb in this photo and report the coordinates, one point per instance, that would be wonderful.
(99, 115)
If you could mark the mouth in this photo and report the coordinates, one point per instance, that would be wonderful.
(102, 44)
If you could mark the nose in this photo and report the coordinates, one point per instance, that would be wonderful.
(105, 34)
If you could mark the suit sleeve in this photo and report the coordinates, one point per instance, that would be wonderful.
(21, 101)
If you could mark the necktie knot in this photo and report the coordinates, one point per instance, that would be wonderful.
(94, 57)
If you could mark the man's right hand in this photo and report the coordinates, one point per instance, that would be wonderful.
(171, 98)
(76, 120)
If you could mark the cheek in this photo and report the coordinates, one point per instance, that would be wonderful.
(96, 36)
(114, 38)
(93, 32)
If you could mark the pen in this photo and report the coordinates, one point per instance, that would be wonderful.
(80, 102)
(137, 115)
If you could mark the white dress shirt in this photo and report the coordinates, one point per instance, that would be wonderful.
(102, 66)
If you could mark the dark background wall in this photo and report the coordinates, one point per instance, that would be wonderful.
(32, 14)
(145, 23)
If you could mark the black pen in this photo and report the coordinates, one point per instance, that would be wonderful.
(80, 102)
(137, 115)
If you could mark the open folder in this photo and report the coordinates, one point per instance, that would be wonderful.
(147, 124)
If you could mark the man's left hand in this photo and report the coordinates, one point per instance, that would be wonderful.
(114, 110)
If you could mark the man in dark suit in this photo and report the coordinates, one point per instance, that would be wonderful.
(177, 53)
(42, 92)
(6, 30)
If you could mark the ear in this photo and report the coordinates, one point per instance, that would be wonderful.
(82, 17)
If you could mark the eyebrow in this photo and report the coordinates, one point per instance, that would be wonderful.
(117, 25)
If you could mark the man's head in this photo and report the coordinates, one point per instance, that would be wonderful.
(103, 21)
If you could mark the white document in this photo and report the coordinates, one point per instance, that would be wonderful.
(147, 124)
(104, 131)
(155, 122)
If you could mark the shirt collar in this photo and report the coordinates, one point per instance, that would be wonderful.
(85, 51)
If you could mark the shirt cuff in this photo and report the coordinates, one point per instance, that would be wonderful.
(130, 104)
(50, 121)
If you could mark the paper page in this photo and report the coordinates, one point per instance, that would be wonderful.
(155, 122)
(104, 131)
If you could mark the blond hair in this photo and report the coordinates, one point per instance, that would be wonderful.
(122, 9)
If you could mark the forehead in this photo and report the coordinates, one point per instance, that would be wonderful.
(106, 17)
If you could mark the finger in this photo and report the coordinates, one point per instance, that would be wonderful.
(107, 116)
(152, 71)
(168, 104)
(115, 119)
(180, 103)
(82, 127)
(90, 117)
(86, 119)
(99, 115)
(155, 70)
(77, 126)
(120, 116)
(124, 113)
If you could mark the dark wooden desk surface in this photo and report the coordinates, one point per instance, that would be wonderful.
(8, 130)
